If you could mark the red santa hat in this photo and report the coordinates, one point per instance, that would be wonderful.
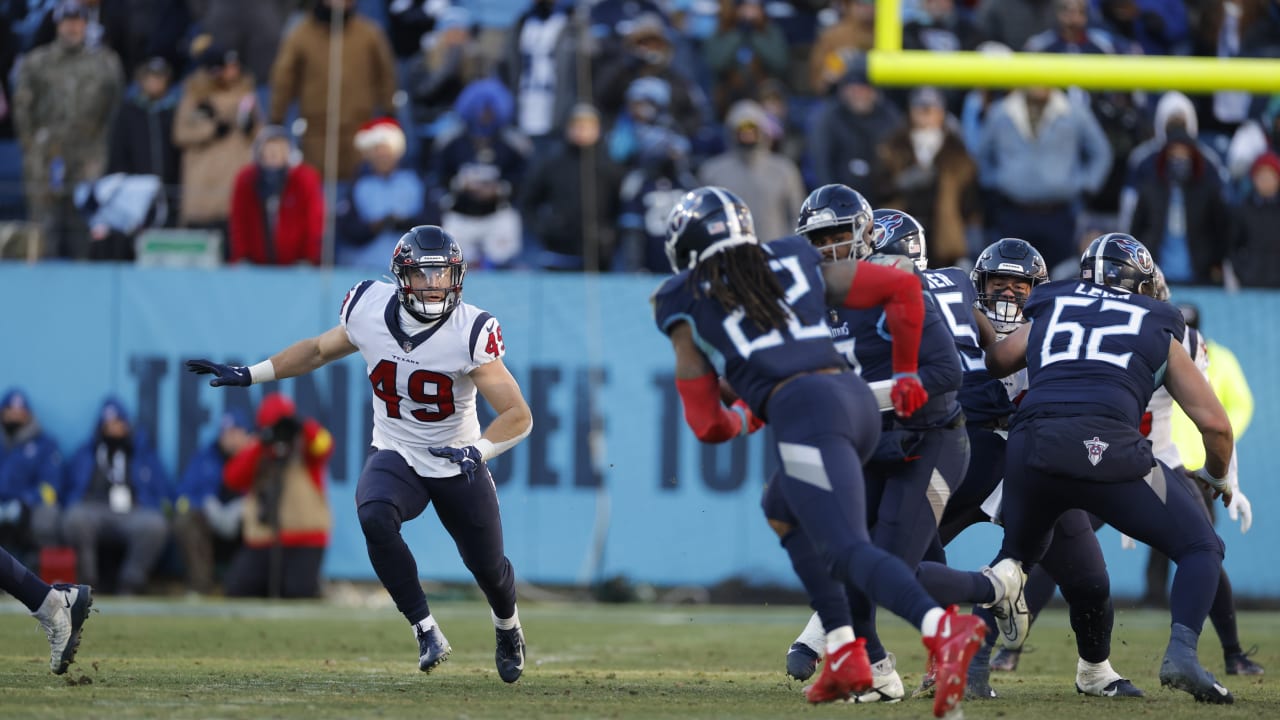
(380, 131)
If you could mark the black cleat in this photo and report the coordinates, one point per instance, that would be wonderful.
(802, 661)
(1181, 669)
(433, 648)
(510, 654)
(1239, 663)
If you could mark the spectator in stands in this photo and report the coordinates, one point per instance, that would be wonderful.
(658, 177)
(786, 132)
(1158, 27)
(1181, 214)
(106, 25)
(569, 198)
(286, 516)
(142, 140)
(1174, 110)
(537, 66)
(854, 32)
(1012, 22)
(481, 163)
(748, 49)
(447, 63)
(116, 489)
(939, 28)
(1123, 119)
(301, 73)
(769, 183)
(252, 28)
(1221, 27)
(216, 121)
(848, 128)
(384, 201)
(67, 93)
(1071, 33)
(928, 174)
(277, 205)
(30, 477)
(207, 514)
(645, 116)
(1255, 137)
(1039, 154)
(409, 22)
(1256, 258)
(647, 51)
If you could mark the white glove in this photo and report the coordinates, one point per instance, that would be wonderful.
(1127, 543)
(1219, 486)
(1241, 510)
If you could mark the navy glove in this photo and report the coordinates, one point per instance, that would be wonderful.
(237, 375)
(466, 458)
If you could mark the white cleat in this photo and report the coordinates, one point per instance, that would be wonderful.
(1010, 606)
(62, 616)
(886, 684)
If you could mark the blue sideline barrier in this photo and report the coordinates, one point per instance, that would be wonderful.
(609, 483)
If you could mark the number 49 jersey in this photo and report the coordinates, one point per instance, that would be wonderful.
(753, 361)
(1094, 345)
(423, 395)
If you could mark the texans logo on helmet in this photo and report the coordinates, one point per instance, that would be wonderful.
(1139, 253)
(886, 225)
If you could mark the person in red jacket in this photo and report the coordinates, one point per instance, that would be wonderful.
(277, 205)
(286, 511)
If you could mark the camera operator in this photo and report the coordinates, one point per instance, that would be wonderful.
(286, 512)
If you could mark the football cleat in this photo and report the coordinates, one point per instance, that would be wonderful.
(433, 648)
(802, 661)
(1101, 680)
(847, 671)
(62, 616)
(1010, 607)
(509, 655)
(886, 683)
(1006, 660)
(951, 649)
(979, 683)
(1181, 669)
(1240, 664)
(929, 682)
(1115, 688)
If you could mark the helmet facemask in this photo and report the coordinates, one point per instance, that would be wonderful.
(430, 291)
(1003, 305)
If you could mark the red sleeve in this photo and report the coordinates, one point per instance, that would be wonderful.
(314, 237)
(238, 473)
(243, 213)
(902, 296)
(710, 421)
(317, 446)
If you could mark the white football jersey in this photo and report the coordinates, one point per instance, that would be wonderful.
(423, 395)
(1161, 405)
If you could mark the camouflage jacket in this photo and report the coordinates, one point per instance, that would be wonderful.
(64, 102)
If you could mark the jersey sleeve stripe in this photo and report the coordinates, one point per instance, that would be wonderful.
(355, 298)
(476, 327)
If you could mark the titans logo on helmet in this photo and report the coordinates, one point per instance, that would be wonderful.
(1140, 254)
(885, 226)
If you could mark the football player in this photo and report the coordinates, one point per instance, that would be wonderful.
(1095, 349)
(755, 314)
(427, 353)
(920, 459)
(60, 609)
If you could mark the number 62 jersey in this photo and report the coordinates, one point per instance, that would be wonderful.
(423, 395)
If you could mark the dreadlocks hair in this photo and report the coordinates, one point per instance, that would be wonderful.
(740, 278)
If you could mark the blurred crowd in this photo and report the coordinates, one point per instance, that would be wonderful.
(247, 517)
(556, 135)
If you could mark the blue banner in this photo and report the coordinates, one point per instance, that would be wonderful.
(610, 482)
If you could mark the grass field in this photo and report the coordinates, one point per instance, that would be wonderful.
(219, 659)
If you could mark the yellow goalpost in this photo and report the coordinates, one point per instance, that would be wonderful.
(889, 64)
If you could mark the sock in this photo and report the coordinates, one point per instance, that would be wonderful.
(838, 638)
(510, 623)
(1095, 675)
(813, 636)
(425, 624)
(929, 626)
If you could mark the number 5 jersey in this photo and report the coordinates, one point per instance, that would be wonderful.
(423, 395)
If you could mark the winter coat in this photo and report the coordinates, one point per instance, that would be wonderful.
(943, 197)
(215, 145)
(299, 224)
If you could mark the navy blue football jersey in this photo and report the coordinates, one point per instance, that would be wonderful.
(1094, 345)
(751, 360)
(863, 337)
(983, 397)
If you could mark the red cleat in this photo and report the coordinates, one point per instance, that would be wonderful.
(847, 671)
(950, 650)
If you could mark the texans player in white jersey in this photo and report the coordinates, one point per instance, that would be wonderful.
(427, 354)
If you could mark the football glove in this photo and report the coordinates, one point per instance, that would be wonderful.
(466, 458)
(907, 395)
(1240, 509)
(232, 375)
(1221, 487)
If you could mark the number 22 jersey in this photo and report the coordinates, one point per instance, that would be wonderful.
(423, 395)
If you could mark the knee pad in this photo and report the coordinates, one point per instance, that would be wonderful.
(380, 521)
(1088, 589)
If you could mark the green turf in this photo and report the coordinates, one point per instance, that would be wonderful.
(218, 659)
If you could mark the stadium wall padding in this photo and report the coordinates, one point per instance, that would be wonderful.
(610, 482)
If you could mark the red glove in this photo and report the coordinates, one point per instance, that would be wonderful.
(753, 423)
(907, 394)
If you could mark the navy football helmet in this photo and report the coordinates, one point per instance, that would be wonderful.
(1119, 260)
(706, 221)
(897, 233)
(838, 207)
(433, 258)
(1010, 258)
